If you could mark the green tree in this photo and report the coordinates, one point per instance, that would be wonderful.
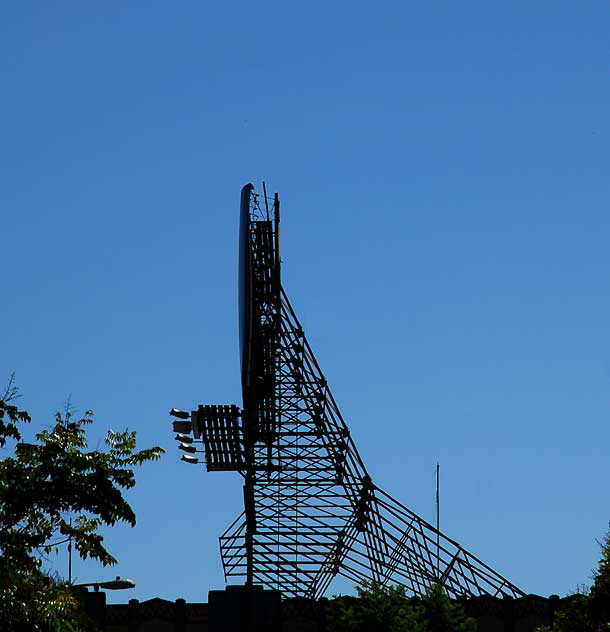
(588, 612)
(31, 600)
(599, 598)
(443, 615)
(377, 608)
(381, 608)
(51, 491)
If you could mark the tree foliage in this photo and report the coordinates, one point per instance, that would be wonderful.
(31, 600)
(56, 490)
(599, 598)
(588, 612)
(442, 615)
(381, 608)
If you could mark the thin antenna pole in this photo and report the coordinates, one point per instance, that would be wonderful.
(70, 556)
(438, 520)
(265, 196)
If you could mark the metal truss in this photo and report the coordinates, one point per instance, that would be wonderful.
(312, 511)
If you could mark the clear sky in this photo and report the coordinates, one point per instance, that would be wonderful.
(443, 170)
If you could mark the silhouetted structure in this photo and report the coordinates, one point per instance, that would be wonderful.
(523, 614)
(311, 510)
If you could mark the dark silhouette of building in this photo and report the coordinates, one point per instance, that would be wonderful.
(493, 614)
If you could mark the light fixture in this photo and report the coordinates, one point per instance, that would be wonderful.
(185, 447)
(182, 426)
(181, 414)
(119, 583)
(189, 459)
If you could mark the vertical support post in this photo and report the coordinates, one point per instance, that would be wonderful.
(70, 556)
(250, 521)
(249, 475)
(276, 219)
(265, 196)
(438, 520)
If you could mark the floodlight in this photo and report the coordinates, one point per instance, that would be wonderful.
(182, 426)
(189, 459)
(120, 583)
(184, 438)
(181, 414)
(185, 447)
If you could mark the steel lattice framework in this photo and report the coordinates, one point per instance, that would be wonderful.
(311, 510)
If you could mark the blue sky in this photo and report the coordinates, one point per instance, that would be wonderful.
(443, 171)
